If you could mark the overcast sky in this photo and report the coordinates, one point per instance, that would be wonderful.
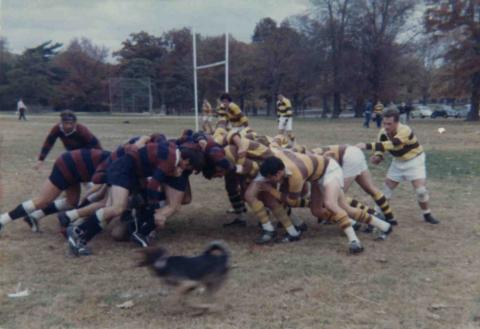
(26, 23)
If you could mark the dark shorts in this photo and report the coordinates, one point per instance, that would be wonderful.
(57, 179)
(178, 183)
(122, 173)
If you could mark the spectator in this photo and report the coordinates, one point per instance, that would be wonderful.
(368, 114)
(21, 110)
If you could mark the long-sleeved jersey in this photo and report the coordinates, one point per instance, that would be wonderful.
(80, 138)
(403, 145)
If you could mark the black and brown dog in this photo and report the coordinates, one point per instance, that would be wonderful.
(208, 270)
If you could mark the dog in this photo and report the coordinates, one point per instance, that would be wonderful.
(208, 270)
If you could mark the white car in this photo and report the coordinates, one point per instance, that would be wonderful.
(421, 111)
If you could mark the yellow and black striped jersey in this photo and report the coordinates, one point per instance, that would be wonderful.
(378, 108)
(248, 167)
(284, 108)
(207, 108)
(221, 112)
(299, 168)
(403, 145)
(235, 116)
(334, 151)
(253, 149)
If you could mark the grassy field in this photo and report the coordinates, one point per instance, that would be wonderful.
(423, 276)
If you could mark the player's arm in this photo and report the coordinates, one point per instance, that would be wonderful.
(292, 197)
(242, 145)
(47, 145)
(92, 141)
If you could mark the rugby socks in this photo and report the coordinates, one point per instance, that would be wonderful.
(384, 205)
(72, 215)
(380, 224)
(238, 206)
(21, 210)
(92, 225)
(52, 208)
(357, 204)
(280, 213)
(259, 210)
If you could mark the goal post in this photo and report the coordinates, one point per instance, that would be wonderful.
(197, 68)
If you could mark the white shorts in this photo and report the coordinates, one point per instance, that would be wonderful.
(354, 162)
(236, 129)
(285, 123)
(408, 170)
(332, 173)
(207, 118)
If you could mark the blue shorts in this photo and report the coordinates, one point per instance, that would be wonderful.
(57, 179)
(178, 183)
(122, 173)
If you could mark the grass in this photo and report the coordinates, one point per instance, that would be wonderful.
(309, 284)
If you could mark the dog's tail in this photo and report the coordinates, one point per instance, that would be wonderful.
(217, 246)
(151, 255)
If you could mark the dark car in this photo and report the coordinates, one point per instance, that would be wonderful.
(445, 113)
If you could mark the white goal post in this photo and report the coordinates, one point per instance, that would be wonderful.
(206, 66)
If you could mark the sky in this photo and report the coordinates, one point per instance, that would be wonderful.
(27, 23)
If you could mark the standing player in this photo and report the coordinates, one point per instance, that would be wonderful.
(285, 114)
(74, 136)
(234, 114)
(21, 109)
(207, 113)
(408, 159)
(378, 113)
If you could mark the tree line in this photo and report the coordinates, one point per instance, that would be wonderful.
(335, 57)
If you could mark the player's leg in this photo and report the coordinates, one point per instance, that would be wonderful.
(268, 233)
(365, 181)
(423, 198)
(232, 185)
(330, 194)
(281, 214)
(289, 129)
(48, 193)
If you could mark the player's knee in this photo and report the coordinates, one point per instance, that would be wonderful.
(387, 191)
(422, 194)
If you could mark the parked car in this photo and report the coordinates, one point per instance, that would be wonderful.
(445, 112)
(421, 111)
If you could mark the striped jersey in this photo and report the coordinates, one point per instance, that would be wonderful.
(284, 108)
(403, 145)
(299, 168)
(80, 165)
(80, 138)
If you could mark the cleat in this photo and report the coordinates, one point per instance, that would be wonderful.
(266, 237)
(74, 240)
(391, 221)
(356, 226)
(289, 238)
(301, 228)
(379, 235)
(430, 219)
(63, 219)
(368, 229)
(237, 222)
(355, 247)
(32, 222)
(83, 250)
(139, 239)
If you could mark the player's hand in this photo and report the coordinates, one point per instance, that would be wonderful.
(376, 159)
(265, 187)
(160, 220)
(361, 146)
(38, 165)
